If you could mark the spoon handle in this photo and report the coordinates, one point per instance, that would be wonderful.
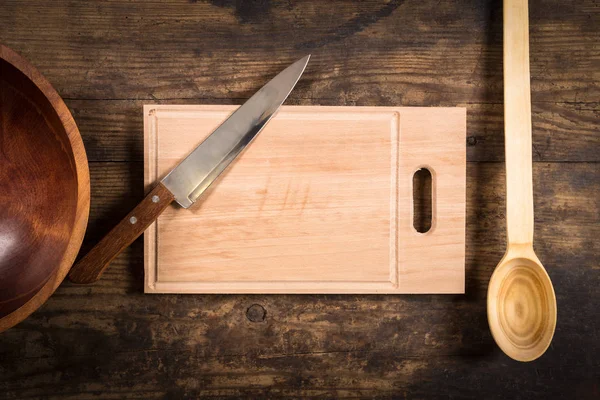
(517, 123)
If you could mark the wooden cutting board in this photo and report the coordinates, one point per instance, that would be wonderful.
(321, 202)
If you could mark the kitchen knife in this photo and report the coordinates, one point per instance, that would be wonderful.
(186, 182)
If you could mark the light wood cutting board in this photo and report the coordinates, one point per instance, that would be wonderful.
(320, 202)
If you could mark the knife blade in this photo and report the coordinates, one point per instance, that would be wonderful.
(195, 173)
(198, 170)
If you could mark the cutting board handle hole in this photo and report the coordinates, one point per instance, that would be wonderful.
(422, 200)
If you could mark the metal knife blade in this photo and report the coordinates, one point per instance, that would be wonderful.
(202, 166)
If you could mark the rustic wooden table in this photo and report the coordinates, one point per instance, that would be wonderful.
(110, 341)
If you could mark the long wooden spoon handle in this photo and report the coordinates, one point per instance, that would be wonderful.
(93, 264)
(517, 123)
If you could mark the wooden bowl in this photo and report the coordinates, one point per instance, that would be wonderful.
(45, 189)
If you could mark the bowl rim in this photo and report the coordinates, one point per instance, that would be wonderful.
(83, 188)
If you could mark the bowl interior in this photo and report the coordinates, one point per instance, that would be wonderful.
(39, 189)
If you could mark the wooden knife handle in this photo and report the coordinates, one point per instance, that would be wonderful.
(93, 264)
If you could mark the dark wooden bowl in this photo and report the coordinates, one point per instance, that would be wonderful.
(44, 189)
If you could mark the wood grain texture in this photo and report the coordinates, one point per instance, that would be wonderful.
(91, 267)
(321, 202)
(44, 189)
(425, 54)
(109, 340)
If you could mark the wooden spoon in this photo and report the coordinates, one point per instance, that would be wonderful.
(521, 304)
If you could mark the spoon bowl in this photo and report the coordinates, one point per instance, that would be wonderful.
(521, 307)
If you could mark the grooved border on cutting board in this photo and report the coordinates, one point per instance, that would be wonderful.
(448, 277)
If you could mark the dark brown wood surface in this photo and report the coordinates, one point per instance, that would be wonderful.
(109, 340)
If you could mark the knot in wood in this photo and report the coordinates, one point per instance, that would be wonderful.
(256, 313)
(471, 140)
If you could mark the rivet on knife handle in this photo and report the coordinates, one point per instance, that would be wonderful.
(90, 267)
